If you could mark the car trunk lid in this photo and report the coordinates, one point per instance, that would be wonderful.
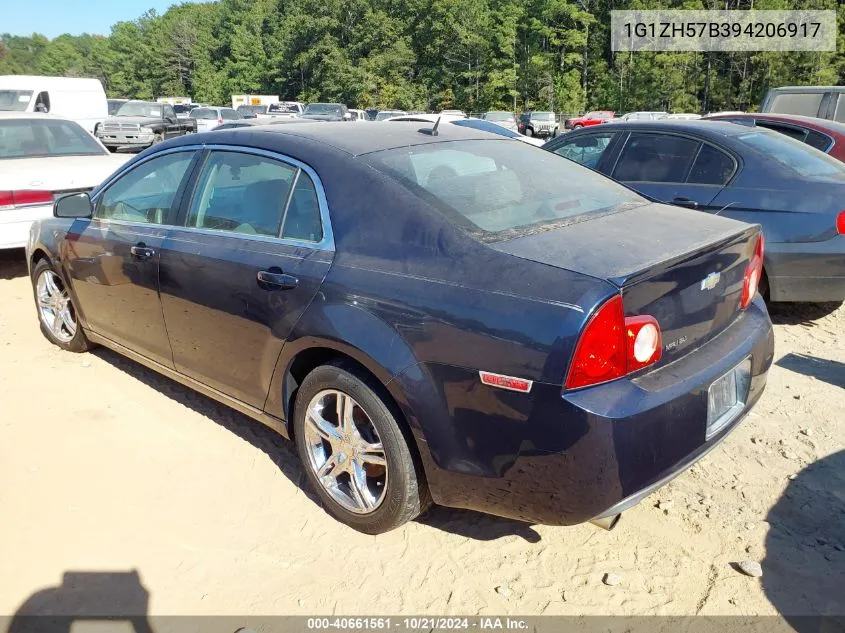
(685, 268)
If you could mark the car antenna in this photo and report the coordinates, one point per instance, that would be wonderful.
(431, 131)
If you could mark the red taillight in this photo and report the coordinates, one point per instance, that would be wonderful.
(753, 272)
(613, 346)
(840, 223)
(10, 199)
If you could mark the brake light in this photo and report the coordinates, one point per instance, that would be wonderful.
(753, 272)
(24, 197)
(612, 346)
(840, 223)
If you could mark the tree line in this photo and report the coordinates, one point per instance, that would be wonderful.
(421, 54)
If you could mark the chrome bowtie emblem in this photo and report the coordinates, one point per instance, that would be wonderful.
(710, 281)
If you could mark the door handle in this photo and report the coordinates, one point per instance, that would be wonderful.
(685, 202)
(278, 280)
(142, 252)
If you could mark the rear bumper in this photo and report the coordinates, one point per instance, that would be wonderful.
(14, 225)
(597, 451)
(807, 271)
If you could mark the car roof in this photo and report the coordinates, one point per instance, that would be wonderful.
(351, 139)
(809, 121)
(712, 127)
(6, 114)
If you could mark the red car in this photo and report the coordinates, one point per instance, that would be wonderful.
(591, 118)
(827, 136)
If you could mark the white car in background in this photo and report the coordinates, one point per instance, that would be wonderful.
(386, 115)
(478, 124)
(209, 118)
(285, 110)
(43, 157)
(358, 115)
(500, 117)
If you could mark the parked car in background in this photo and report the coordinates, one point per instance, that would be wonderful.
(252, 111)
(75, 98)
(751, 174)
(384, 115)
(140, 124)
(114, 105)
(371, 113)
(542, 124)
(209, 118)
(636, 116)
(824, 102)
(357, 115)
(285, 109)
(326, 112)
(825, 135)
(357, 292)
(457, 113)
(43, 157)
(591, 118)
(475, 124)
(505, 119)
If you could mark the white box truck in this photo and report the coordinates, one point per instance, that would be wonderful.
(265, 100)
(75, 98)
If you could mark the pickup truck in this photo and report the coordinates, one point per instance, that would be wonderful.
(140, 124)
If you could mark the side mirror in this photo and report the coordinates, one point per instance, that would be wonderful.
(76, 205)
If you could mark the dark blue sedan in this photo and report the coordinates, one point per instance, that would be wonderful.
(795, 192)
(453, 317)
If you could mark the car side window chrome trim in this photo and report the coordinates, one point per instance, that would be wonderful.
(326, 244)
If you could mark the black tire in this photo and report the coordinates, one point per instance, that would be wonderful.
(79, 343)
(577, 126)
(406, 494)
(529, 132)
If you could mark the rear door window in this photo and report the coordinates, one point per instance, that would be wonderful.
(302, 217)
(586, 149)
(711, 167)
(656, 158)
(241, 193)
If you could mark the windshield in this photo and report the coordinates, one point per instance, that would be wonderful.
(285, 108)
(505, 117)
(15, 100)
(30, 138)
(499, 190)
(386, 114)
(204, 113)
(140, 108)
(323, 108)
(795, 155)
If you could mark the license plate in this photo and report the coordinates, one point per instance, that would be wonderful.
(726, 397)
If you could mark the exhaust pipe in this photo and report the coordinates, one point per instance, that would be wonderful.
(607, 523)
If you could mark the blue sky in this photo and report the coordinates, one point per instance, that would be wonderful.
(54, 17)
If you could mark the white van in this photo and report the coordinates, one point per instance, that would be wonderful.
(77, 99)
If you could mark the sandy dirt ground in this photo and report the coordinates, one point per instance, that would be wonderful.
(117, 484)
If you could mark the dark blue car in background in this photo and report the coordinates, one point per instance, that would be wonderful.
(458, 318)
(794, 191)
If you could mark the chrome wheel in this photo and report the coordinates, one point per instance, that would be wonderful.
(345, 451)
(54, 307)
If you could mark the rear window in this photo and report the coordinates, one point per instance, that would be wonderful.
(806, 103)
(229, 114)
(498, 190)
(284, 108)
(794, 155)
(28, 138)
(203, 113)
